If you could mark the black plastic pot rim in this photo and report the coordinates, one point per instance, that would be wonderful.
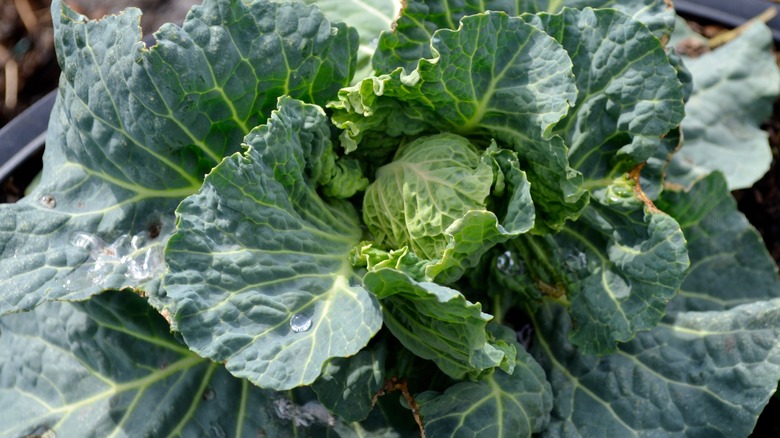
(730, 13)
(25, 135)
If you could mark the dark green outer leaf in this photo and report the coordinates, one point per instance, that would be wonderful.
(411, 38)
(734, 88)
(657, 15)
(109, 367)
(698, 374)
(134, 129)
(347, 386)
(259, 275)
(730, 264)
(618, 267)
(501, 405)
(629, 96)
(506, 86)
(628, 264)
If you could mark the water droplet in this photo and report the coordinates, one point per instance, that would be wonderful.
(334, 31)
(209, 394)
(318, 412)
(507, 264)
(576, 261)
(48, 201)
(300, 323)
(435, 40)
(313, 412)
(87, 241)
(285, 409)
(145, 264)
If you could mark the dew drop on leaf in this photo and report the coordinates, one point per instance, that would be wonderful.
(48, 201)
(507, 264)
(87, 241)
(209, 394)
(576, 260)
(300, 323)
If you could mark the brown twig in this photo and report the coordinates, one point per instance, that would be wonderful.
(396, 384)
(27, 15)
(634, 175)
(11, 84)
(723, 38)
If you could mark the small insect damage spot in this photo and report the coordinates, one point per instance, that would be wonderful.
(154, 229)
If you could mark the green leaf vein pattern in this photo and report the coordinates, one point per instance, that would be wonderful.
(259, 275)
(135, 128)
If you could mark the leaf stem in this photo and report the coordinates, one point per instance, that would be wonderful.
(547, 279)
(498, 309)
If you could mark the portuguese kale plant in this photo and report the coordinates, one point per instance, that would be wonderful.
(455, 218)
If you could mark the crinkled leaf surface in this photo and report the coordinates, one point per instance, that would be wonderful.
(635, 260)
(439, 324)
(368, 17)
(433, 199)
(347, 386)
(259, 274)
(431, 182)
(410, 40)
(110, 367)
(657, 15)
(619, 265)
(516, 404)
(696, 374)
(469, 239)
(495, 75)
(134, 129)
(629, 95)
(730, 264)
(734, 88)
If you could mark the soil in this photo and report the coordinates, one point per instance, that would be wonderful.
(28, 71)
